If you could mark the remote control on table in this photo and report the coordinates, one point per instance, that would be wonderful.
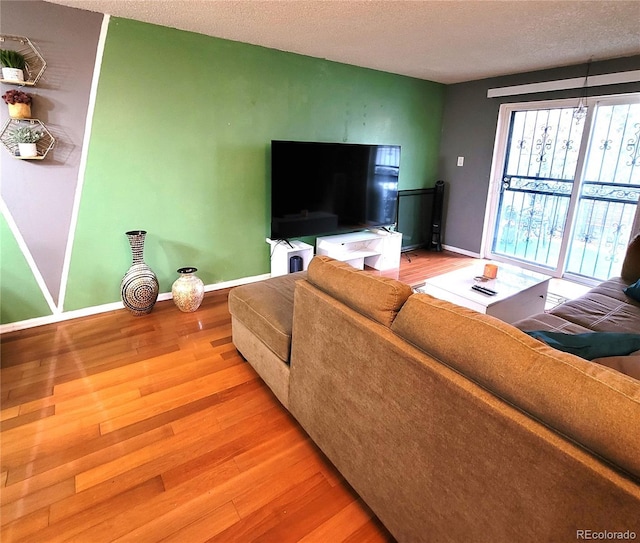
(484, 290)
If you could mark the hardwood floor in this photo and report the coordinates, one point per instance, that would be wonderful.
(122, 428)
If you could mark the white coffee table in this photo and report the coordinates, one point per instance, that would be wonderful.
(520, 293)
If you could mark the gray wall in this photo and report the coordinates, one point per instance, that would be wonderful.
(40, 194)
(469, 129)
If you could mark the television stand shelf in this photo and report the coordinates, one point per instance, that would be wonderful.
(378, 249)
(282, 251)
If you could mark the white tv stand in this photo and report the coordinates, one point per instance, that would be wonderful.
(282, 251)
(378, 249)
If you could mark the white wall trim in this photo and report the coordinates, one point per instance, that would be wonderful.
(495, 175)
(237, 282)
(632, 76)
(461, 251)
(114, 306)
(28, 256)
(83, 163)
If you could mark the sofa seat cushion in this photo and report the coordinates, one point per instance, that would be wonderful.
(379, 298)
(591, 404)
(266, 309)
(550, 323)
(605, 308)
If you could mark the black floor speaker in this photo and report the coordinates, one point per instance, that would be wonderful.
(436, 217)
(295, 264)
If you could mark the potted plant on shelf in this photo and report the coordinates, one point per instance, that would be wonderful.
(13, 64)
(26, 138)
(19, 104)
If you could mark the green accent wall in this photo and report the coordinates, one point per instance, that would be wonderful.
(21, 296)
(180, 147)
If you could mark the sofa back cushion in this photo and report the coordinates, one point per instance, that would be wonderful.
(379, 298)
(592, 405)
(631, 264)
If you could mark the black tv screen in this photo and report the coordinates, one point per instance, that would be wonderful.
(324, 188)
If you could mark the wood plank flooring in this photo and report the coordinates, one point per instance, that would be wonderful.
(122, 428)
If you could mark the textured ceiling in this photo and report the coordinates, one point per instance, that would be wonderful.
(443, 41)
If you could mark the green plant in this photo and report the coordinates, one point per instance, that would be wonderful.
(12, 59)
(25, 134)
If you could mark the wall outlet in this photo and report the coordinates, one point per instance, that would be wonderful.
(460, 161)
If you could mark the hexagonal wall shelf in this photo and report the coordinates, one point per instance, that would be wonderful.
(43, 145)
(35, 63)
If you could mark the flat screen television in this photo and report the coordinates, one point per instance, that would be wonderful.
(325, 188)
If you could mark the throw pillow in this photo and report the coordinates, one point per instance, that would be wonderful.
(590, 345)
(633, 291)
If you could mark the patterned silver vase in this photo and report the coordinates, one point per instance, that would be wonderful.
(139, 287)
(187, 290)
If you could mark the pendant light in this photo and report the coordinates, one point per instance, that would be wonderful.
(580, 112)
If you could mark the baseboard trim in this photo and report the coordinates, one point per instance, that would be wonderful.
(461, 251)
(114, 306)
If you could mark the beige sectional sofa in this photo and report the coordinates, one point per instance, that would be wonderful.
(451, 425)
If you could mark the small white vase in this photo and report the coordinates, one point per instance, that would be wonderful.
(187, 290)
(27, 149)
(12, 74)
